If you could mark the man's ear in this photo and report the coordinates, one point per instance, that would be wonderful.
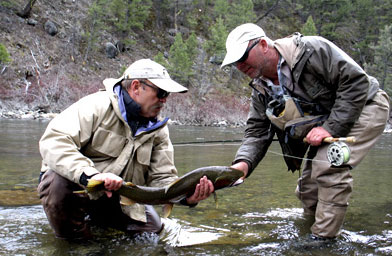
(264, 45)
(134, 89)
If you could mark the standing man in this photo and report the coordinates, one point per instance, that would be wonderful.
(113, 135)
(301, 77)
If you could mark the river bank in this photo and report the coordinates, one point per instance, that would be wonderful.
(30, 114)
(26, 115)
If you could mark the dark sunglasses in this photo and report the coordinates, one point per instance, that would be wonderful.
(161, 94)
(246, 54)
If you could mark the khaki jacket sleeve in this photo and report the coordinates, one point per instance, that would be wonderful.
(67, 133)
(257, 137)
(162, 170)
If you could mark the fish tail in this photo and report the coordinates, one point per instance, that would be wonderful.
(130, 184)
(167, 208)
(126, 201)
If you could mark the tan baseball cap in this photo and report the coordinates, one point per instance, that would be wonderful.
(154, 72)
(238, 40)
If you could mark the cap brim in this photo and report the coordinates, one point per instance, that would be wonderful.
(168, 85)
(112, 81)
(234, 53)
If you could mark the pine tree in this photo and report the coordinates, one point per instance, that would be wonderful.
(199, 17)
(159, 58)
(330, 16)
(180, 65)
(216, 45)
(95, 23)
(240, 11)
(130, 14)
(192, 46)
(382, 66)
(309, 28)
(228, 16)
(221, 8)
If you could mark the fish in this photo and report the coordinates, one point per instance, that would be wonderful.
(183, 187)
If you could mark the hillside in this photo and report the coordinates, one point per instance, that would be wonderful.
(48, 73)
(58, 52)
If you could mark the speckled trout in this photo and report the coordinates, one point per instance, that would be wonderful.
(220, 176)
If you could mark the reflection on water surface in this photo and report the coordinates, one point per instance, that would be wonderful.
(260, 217)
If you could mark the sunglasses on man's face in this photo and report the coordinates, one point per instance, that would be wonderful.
(246, 54)
(161, 94)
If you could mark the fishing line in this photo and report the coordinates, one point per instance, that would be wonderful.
(206, 145)
(303, 158)
(235, 143)
(217, 142)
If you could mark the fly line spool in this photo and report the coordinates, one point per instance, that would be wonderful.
(338, 153)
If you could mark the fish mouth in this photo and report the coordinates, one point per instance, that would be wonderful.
(237, 182)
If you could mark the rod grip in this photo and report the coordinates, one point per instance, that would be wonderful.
(345, 139)
(332, 139)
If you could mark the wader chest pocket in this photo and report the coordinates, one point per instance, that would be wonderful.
(144, 152)
(108, 142)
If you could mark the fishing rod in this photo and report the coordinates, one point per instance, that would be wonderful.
(327, 140)
(332, 139)
(209, 142)
(205, 142)
(338, 153)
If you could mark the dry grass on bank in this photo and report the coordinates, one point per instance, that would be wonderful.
(51, 96)
(212, 110)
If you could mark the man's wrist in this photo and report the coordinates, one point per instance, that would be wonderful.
(248, 166)
(84, 178)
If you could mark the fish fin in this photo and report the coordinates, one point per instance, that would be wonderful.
(130, 184)
(126, 201)
(221, 182)
(80, 192)
(216, 200)
(92, 183)
(171, 184)
(167, 208)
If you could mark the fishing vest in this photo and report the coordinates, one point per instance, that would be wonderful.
(292, 114)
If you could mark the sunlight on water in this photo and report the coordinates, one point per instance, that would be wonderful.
(293, 213)
(21, 228)
(263, 247)
(387, 250)
(178, 235)
(380, 242)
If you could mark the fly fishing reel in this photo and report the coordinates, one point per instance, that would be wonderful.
(338, 153)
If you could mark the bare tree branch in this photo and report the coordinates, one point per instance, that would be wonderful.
(275, 5)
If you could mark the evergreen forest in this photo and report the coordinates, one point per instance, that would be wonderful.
(188, 37)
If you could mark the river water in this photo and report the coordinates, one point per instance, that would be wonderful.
(260, 217)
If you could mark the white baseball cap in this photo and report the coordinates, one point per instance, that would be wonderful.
(154, 72)
(238, 40)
